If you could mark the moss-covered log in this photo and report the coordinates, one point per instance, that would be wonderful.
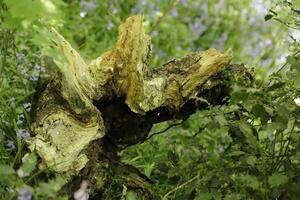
(91, 109)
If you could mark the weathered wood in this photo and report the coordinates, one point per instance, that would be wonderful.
(91, 108)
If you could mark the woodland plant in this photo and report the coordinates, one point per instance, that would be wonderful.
(247, 148)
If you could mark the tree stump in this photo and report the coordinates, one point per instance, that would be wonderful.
(91, 110)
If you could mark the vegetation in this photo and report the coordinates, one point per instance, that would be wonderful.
(246, 149)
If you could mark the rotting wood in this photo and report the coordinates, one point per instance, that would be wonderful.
(78, 107)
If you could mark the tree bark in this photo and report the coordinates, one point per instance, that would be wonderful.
(91, 110)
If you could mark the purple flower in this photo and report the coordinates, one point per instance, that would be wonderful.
(182, 2)
(174, 13)
(23, 134)
(110, 25)
(154, 34)
(25, 194)
(270, 136)
(197, 27)
(88, 5)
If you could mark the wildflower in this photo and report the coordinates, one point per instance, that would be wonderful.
(12, 101)
(82, 14)
(153, 11)
(114, 10)
(10, 144)
(221, 149)
(270, 136)
(20, 118)
(20, 57)
(23, 134)
(34, 78)
(37, 67)
(25, 194)
(81, 193)
(22, 174)
(110, 25)
(182, 2)
(174, 12)
(197, 27)
(297, 101)
(154, 34)
(88, 5)
(27, 106)
(161, 53)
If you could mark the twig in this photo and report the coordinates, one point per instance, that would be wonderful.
(277, 165)
(159, 132)
(281, 68)
(179, 187)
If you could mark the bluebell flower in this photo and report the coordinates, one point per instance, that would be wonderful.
(24, 134)
(20, 118)
(33, 78)
(182, 2)
(197, 27)
(114, 10)
(10, 144)
(25, 194)
(154, 34)
(20, 57)
(37, 67)
(27, 106)
(110, 25)
(174, 12)
(270, 136)
(88, 5)
(12, 101)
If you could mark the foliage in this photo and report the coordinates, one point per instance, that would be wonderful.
(248, 149)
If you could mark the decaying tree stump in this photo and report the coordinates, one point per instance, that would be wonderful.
(92, 109)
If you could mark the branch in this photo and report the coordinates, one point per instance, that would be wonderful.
(71, 113)
(164, 130)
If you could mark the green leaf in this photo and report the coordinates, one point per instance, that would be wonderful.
(239, 95)
(277, 179)
(30, 163)
(248, 133)
(268, 17)
(249, 181)
(50, 188)
(276, 86)
(173, 157)
(6, 170)
(294, 61)
(283, 114)
(259, 111)
(131, 196)
(251, 160)
(204, 196)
